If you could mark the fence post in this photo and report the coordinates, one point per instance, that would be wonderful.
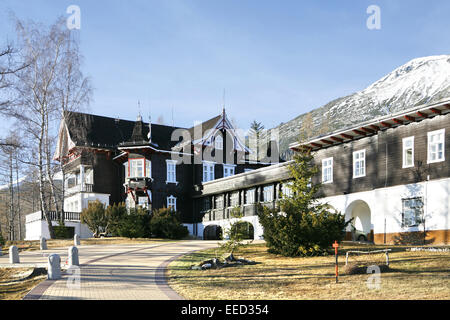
(73, 256)
(54, 267)
(76, 240)
(43, 244)
(14, 255)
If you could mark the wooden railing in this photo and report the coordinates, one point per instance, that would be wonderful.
(68, 216)
(80, 188)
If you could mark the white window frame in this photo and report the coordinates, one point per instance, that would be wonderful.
(218, 142)
(171, 175)
(405, 148)
(231, 170)
(286, 190)
(429, 147)
(148, 168)
(362, 172)
(208, 174)
(327, 164)
(133, 168)
(172, 202)
(250, 196)
(268, 193)
(417, 211)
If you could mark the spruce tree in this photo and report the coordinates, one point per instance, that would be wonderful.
(300, 225)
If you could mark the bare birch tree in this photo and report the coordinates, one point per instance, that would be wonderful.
(50, 86)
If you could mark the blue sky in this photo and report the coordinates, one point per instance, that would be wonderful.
(275, 59)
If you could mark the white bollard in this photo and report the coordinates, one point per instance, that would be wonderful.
(43, 244)
(76, 240)
(54, 267)
(73, 256)
(14, 255)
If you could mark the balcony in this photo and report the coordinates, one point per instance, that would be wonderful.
(54, 216)
(68, 216)
(79, 188)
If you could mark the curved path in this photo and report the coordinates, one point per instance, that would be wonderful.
(118, 272)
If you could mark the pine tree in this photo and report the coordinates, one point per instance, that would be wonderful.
(301, 225)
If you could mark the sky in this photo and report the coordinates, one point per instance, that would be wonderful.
(274, 59)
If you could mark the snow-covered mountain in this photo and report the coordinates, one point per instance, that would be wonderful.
(420, 81)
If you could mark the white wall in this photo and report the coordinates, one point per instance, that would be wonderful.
(39, 228)
(386, 204)
(226, 225)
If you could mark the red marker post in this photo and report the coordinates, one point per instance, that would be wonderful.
(336, 246)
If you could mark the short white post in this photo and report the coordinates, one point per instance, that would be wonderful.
(14, 255)
(73, 256)
(76, 240)
(43, 244)
(54, 267)
(387, 258)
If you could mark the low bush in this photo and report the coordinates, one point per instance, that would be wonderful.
(63, 232)
(166, 223)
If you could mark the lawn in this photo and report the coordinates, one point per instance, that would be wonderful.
(56, 243)
(14, 283)
(412, 275)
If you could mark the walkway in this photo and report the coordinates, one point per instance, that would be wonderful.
(114, 272)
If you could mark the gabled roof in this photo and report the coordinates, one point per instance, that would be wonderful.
(88, 130)
(203, 133)
(372, 127)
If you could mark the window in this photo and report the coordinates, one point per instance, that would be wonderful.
(136, 168)
(268, 194)
(206, 204)
(171, 171)
(359, 164)
(172, 203)
(436, 146)
(89, 176)
(218, 202)
(125, 165)
(250, 196)
(228, 170)
(234, 199)
(218, 143)
(143, 202)
(208, 171)
(286, 190)
(327, 170)
(408, 152)
(412, 212)
(148, 168)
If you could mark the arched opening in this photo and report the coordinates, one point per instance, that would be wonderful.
(212, 232)
(361, 229)
(245, 229)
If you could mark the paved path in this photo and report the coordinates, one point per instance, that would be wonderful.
(114, 272)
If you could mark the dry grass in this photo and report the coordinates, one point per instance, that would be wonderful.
(34, 245)
(413, 275)
(12, 284)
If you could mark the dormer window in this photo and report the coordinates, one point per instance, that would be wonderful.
(218, 143)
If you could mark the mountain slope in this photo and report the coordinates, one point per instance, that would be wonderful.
(420, 81)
